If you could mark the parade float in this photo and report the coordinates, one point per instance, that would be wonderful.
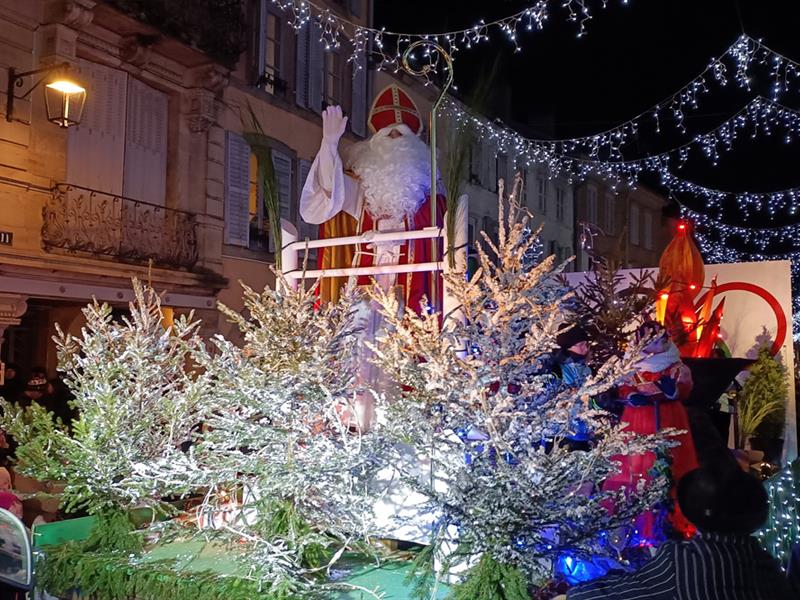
(241, 471)
(387, 427)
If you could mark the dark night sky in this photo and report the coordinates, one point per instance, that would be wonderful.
(633, 56)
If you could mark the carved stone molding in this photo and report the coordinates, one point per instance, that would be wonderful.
(210, 77)
(136, 49)
(12, 307)
(202, 111)
(77, 14)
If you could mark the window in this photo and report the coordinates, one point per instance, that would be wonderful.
(552, 248)
(609, 214)
(648, 230)
(490, 164)
(490, 228)
(258, 224)
(475, 164)
(541, 194)
(634, 224)
(120, 147)
(333, 77)
(246, 218)
(502, 171)
(270, 68)
(560, 204)
(591, 205)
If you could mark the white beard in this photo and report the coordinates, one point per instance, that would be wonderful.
(395, 172)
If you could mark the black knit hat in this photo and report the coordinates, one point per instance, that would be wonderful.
(723, 499)
(570, 336)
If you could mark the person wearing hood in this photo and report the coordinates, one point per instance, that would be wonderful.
(653, 396)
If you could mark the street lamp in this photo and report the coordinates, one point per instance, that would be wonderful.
(64, 99)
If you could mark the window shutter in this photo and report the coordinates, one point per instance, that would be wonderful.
(358, 118)
(301, 70)
(610, 225)
(475, 163)
(303, 167)
(634, 225)
(648, 230)
(261, 39)
(145, 175)
(237, 190)
(490, 167)
(96, 148)
(316, 65)
(283, 177)
(306, 230)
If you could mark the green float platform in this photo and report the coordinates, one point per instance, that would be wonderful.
(388, 577)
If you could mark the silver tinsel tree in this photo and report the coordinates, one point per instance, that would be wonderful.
(139, 400)
(279, 443)
(479, 395)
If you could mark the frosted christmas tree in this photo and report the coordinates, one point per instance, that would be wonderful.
(478, 393)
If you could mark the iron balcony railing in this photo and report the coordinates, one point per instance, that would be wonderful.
(79, 219)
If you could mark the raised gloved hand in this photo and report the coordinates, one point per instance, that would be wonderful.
(639, 400)
(668, 386)
(334, 124)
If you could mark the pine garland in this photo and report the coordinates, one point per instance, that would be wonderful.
(104, 575)
(492, 580)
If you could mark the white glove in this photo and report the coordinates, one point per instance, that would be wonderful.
(333, 125)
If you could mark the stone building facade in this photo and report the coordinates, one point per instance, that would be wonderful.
(626, 225)
(156, 182)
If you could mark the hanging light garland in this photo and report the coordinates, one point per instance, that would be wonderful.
(762, 238)
(761, 117)
(781, 203)
(388, 46)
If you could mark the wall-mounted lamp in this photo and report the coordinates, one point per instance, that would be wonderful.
(64, 99)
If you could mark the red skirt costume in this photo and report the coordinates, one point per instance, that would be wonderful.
(660, 412)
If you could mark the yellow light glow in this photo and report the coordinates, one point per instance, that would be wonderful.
(66, 87)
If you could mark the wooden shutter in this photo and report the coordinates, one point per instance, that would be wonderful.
(283, 177)
(260, 42)
(306, 230)
(237, 190)
(316, 65)
(475, 170)
(490, 166)
(358, 116)
(301, 67)
(96, 148)
(648, 230)
(303, 167)
(145, 174)
(634, 225)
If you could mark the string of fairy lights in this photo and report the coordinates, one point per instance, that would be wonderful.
(388, 46)
(782, 530)
(759, 117)
(604, 153)
(781, 203)
(734, 65)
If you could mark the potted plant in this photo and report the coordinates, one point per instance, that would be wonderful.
(761, 406)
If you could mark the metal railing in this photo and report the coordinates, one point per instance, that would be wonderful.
(79, 219)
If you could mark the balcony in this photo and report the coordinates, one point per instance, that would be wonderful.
(81, 220)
